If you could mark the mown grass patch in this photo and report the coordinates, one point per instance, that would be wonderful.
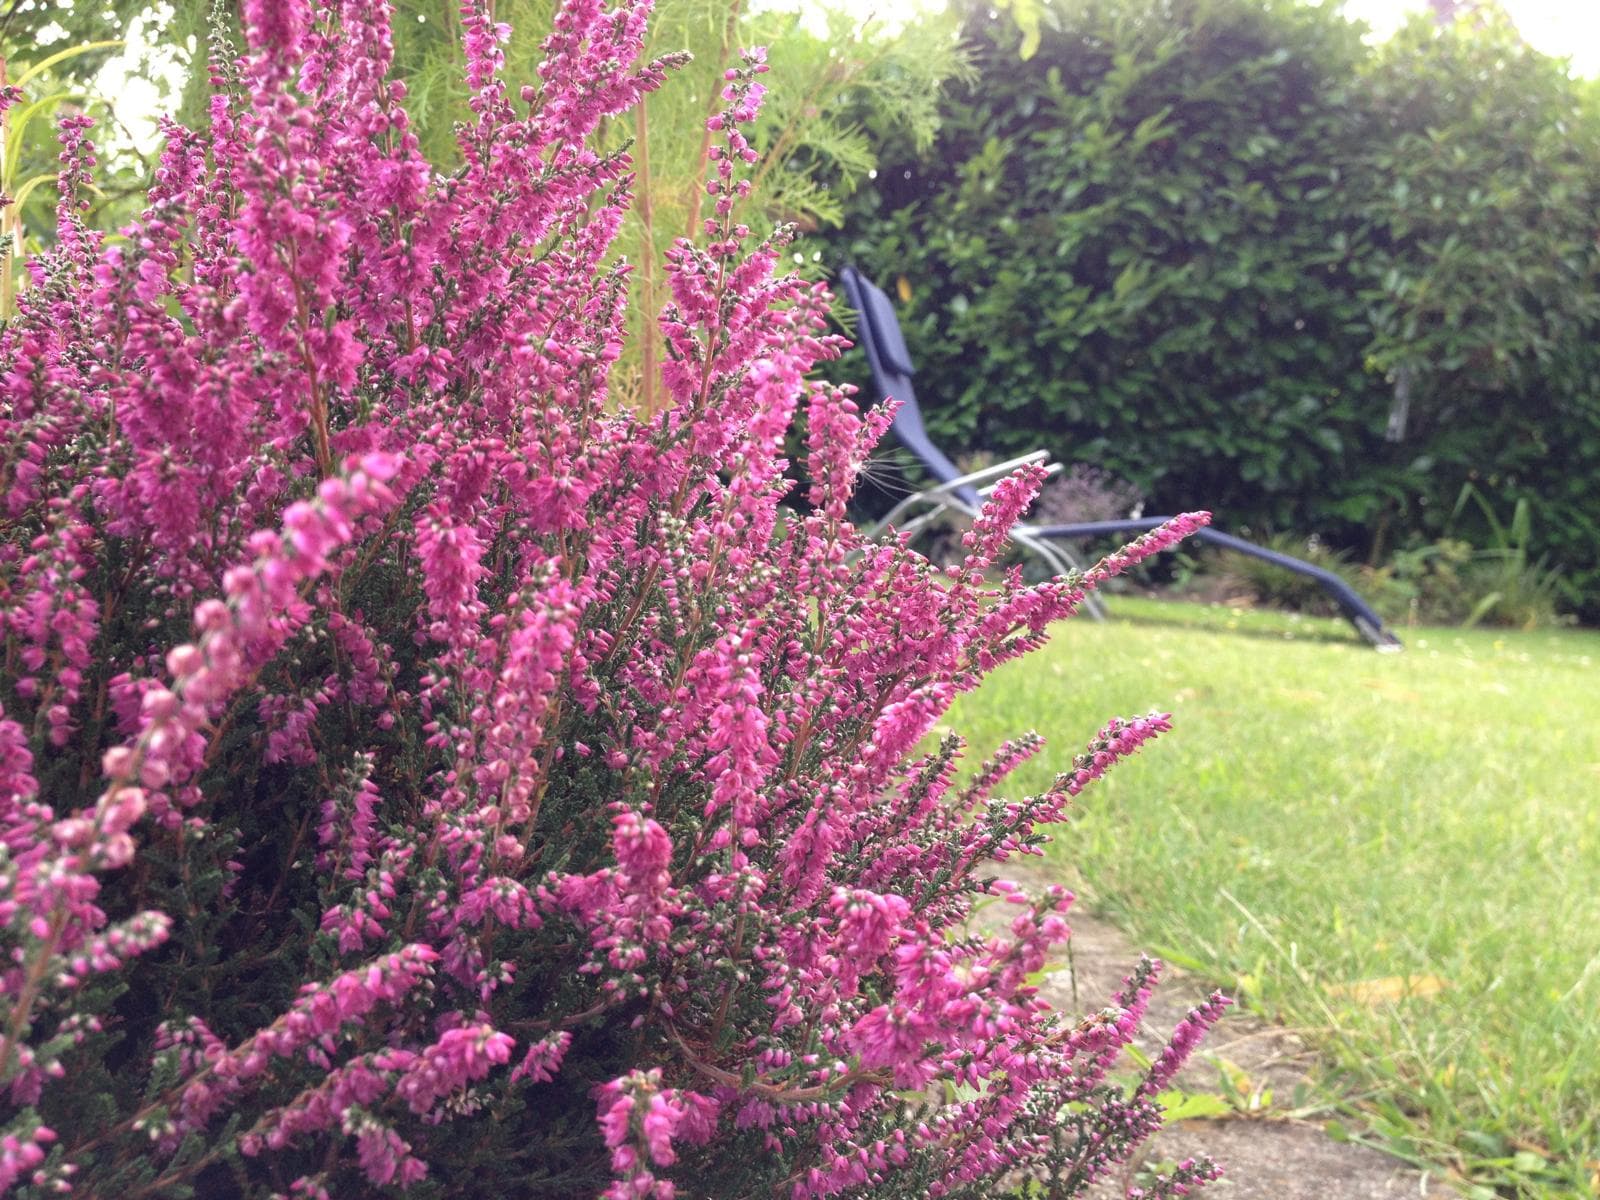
(1399, 851)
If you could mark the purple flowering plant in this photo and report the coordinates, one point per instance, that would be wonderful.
(418, 773)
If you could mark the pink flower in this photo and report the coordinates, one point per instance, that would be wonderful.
(1117, 740)
(543, 1059)
(642, 847)
(616, 1110)
(460, 1057)
(1157, 540)
(483, 719)
(1002, 510)
(1182, 1043)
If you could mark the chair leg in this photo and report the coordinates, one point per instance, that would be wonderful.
(1357, 611)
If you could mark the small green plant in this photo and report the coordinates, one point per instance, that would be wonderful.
(1450, 581)
(1510, 586)
(1276, 587)
(1422, 583)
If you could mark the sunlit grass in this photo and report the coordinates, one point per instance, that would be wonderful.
(1323, 816)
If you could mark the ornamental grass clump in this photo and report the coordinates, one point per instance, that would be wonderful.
(419, 774)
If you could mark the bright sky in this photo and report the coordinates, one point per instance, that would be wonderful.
(1562, 28)
(1557, 27)
(1569, 28)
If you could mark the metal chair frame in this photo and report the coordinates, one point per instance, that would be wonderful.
(944, 498)
(956, 491)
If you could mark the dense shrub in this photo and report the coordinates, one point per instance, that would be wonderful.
(1134, 225)
(418, 773)
(1477, 185)
(1205, 242)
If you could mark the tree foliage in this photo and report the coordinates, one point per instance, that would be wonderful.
(1204, 242)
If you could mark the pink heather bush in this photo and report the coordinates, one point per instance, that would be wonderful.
(416, 774)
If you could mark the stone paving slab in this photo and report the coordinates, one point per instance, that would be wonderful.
(1267, 1157)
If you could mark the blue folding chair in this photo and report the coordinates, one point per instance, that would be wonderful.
(879, 335)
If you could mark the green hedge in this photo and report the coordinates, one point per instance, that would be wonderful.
(1198, 241)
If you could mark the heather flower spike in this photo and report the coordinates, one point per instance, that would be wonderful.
(419, 772)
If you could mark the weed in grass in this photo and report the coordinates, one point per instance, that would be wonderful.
(1512, 587)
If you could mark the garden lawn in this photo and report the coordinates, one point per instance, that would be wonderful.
(1327, 829)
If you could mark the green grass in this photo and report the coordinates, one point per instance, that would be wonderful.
(1323, 815)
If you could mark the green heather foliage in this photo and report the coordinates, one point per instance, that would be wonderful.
(1200, 242)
